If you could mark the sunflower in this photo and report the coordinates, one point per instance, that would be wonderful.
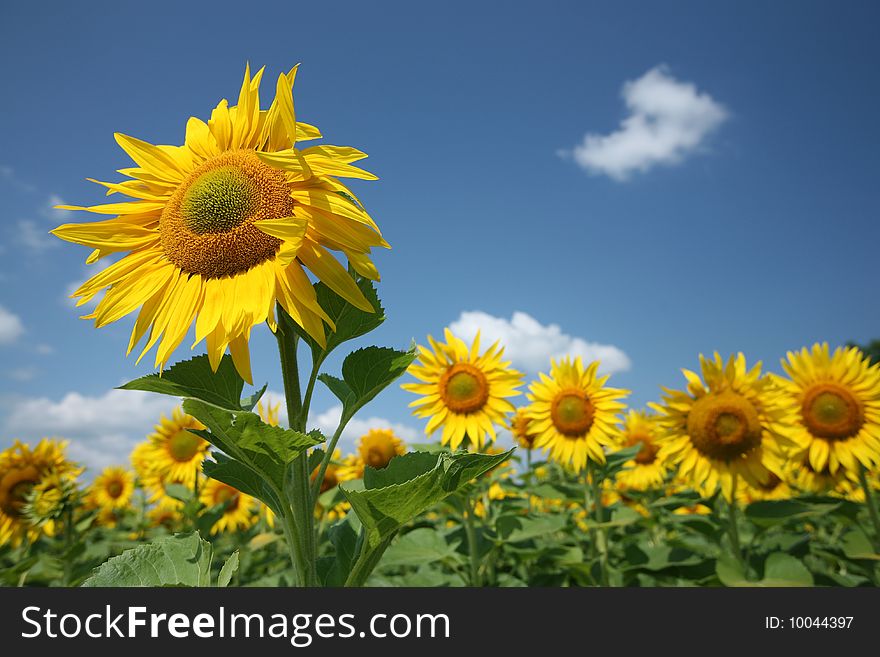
(725, 430)
(462, 390)
(22, 469)
(837, 401)
(572, 413)
(112, 489)
(644, 471)
(801, 475)
(176, 453)
(269, 413)
(165, 515)
(377, 447)
(240, 511)
(224, 226)
(519, 428)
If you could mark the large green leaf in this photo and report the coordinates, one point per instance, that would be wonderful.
(266, 449)
(411, 484)
(194, 379)
(179, 560)
(420, 546)
(522, 528)
(780, 569)
(365, 373)
(351, 322)
(773, 512)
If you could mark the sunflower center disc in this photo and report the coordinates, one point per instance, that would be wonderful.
(183, 446)
(114, 489)
(14, 489)
(831, 412)
(207, 226)
(226, 494)
(572, 413)
(648, 452)
(464, 388)
(376, 458)
(219, 200)
(724, 426)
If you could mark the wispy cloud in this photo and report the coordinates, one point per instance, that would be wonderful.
(668, 120)
(8, 176)
(22, 374)
(34, 236)
(530, 345)
(11, 327)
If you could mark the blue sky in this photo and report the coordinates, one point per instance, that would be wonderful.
(746, 221)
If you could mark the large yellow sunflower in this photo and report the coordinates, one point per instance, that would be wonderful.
(240, 511)
(224, 226)
(23, 468)
(724, 430)
(112, 489)
(573, 413)
(176, 454)
(837, 401)
(645, 471)
(462, 390)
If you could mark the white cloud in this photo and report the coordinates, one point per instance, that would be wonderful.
(102, 430)
(668, 119)
(34, 236)
(7, 174)
(530, 344)
(54, 214)
(44, 349)
(10, 326)
(22, 374)
(357, 427)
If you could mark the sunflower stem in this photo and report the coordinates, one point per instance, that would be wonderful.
(472, 540)
(299, 521)
(601, 536)
(732, 529)
(872, 507)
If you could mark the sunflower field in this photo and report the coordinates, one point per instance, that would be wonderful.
(734, 476)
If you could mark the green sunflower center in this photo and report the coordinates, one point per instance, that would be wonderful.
(183, 446)
(724, 426)
(830, 411)
(464, 388)
(219, 200)
(572, 413)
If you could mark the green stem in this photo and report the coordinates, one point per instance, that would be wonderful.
(733, 530)
(872, 507)
(472, 540)
(299, 521)
(325, 462)
(601, 536)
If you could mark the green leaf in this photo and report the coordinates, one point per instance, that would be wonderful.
(242, 477)
(194, 379)
(179, 560)
(248, 403)
(179, 492)
(772, 512)
(614, 462)
(343, 537)
(780, 569)
(420, 546)
(228, 570)
(857, 545)
(351, 322)
(365, 373)
(523, 528)
(265, 449)
(411, 484)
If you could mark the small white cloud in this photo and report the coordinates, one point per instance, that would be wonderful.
(357, 427)
(102, 430)
(530, 345)
(53, 213)
(44, 349)
(34, 236)
(11, 327)
(22, 374)
(668, 120)
(7, 174)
